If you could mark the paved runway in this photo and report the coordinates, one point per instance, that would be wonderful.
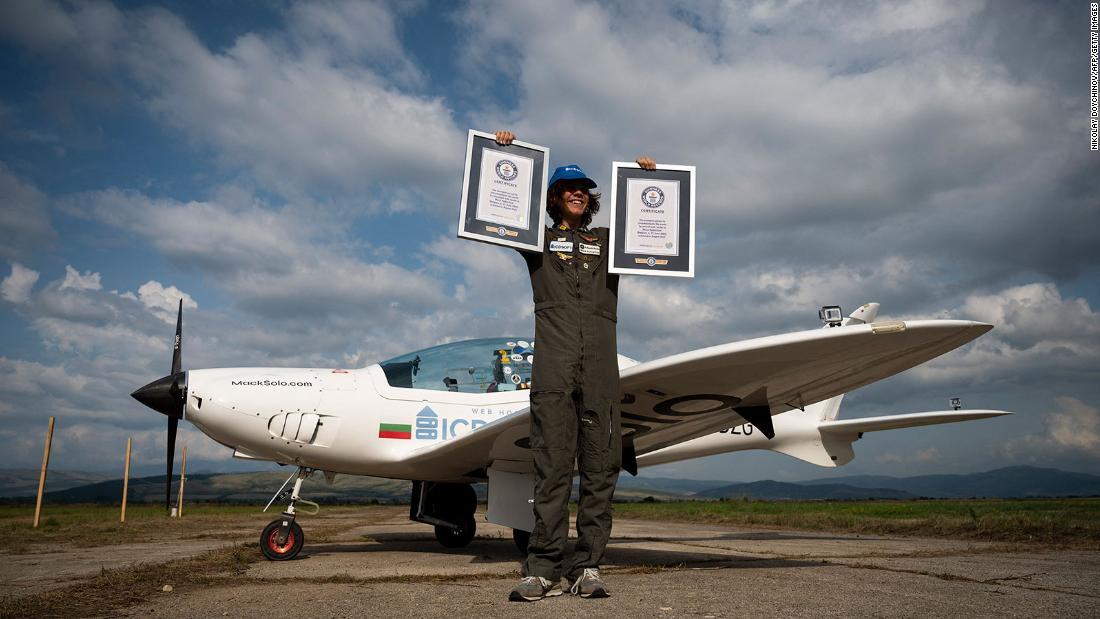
(395, 568)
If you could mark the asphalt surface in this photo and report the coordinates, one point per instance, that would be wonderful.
(396, 568)
(661, 569)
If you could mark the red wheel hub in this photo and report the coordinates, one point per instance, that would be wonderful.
(273, 542)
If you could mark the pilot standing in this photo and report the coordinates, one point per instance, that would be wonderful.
(574, 389)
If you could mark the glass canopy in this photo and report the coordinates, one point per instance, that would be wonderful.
(470, 366)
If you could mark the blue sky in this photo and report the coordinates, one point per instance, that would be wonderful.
(292, 170)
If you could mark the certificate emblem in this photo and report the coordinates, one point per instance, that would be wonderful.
(653, 197)
(507, 170)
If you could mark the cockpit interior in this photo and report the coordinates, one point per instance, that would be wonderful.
(471, 366)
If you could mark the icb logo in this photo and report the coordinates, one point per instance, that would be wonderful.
(653, 197)
(427, 424)
(507, 170)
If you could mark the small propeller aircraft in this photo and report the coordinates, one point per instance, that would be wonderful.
(456, 414)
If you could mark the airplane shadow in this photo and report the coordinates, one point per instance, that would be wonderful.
(620, 552)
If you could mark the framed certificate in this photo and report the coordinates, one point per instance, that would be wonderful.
(652, 220)
(503, 192)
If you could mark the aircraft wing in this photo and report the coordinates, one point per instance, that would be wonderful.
(692, 394)
(910, 420)
(684, 396)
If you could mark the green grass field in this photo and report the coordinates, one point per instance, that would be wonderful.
(1074, 522)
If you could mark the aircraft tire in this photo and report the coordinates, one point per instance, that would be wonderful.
(521, 538)
(450, 538)
(270, 547)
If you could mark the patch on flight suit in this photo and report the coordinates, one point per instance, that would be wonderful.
(562, 245)
(591, 250)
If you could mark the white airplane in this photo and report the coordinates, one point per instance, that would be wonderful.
(456, 414)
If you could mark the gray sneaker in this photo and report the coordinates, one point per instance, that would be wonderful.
(589, 585)
(534, 588)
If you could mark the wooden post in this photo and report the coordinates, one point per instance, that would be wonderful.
(126, 478)
(42, 475)
(183, 467)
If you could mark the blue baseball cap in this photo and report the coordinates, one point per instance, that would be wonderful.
(571, 172)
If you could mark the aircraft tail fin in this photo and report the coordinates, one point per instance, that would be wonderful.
(909, 420)
(818, 437)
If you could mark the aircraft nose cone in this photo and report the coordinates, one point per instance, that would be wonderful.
(164, 395)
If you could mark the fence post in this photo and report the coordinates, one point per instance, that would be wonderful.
(126, 478)
(42, 475)
(183, 467)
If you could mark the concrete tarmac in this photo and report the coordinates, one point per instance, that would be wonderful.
(395, 568)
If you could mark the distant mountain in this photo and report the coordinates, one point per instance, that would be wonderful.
(24, 482)
(1008, 482)
(778, 490)
(258, 487)
(668, 485)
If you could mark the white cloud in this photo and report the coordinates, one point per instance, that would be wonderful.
(298, 120)
(76, 281)
(164, 302)
(16, 287)
(821, 131)
(1031, 314)
(1070, 431)
(1074, 425)
(360, 30)
(1038, 336)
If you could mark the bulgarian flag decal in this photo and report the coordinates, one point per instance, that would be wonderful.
(395, 430)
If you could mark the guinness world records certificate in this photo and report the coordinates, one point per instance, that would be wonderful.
(652, 220)
(503, 192)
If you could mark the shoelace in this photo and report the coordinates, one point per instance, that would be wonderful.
(589, 572)
(542, 582)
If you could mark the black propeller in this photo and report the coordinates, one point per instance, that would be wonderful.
(167, 396)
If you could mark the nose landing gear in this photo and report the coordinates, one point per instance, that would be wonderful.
(282, 538)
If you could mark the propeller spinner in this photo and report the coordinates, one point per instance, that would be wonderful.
(167, 396)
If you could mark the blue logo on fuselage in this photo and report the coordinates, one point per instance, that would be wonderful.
(430, 426)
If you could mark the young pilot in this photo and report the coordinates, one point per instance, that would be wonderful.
(574, 389)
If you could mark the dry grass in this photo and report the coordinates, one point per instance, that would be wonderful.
(1061, 522)
(98, 525)
(116, 589)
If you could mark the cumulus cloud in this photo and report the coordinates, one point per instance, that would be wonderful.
(276, 262)
(1039, 338)
(164, 301)
(822, 131)
(1071, 429)
(298, 112)
(77, 281)
(16, 288)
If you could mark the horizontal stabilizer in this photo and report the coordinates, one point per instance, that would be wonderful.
(910, 420)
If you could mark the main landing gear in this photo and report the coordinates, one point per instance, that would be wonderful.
(282, 538)
(450, 507)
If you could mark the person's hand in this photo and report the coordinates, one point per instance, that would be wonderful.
(504, 138)
(646, 162)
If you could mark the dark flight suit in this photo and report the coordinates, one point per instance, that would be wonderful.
(574, 398)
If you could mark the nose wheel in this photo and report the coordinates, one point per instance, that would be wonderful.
(282, 538)
(289, 548)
